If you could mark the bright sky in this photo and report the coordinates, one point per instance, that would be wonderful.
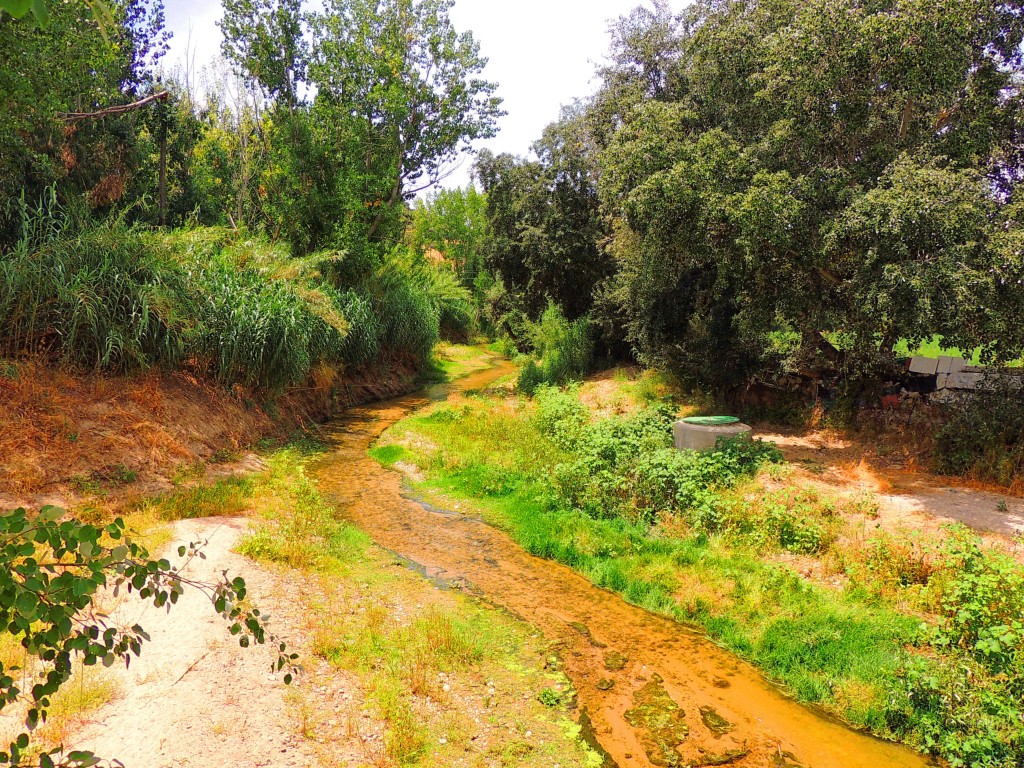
(542, 54)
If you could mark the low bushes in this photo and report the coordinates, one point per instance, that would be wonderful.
(984, 438)
(626, 467)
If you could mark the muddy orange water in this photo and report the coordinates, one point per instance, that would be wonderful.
(656, 692)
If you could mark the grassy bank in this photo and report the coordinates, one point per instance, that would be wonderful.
(912, 638)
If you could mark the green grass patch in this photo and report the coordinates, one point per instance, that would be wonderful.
(225, 497)
(388, 455)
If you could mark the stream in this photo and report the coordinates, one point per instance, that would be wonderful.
(650, 690)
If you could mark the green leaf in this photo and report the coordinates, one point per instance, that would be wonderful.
(17, 8)
(49, 513)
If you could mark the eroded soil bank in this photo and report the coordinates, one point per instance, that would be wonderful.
(655, 692)
(68, 435)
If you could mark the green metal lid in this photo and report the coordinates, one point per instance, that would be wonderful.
(711, 421)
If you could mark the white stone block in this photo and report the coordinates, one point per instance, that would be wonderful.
(951, 364)
(964, 380)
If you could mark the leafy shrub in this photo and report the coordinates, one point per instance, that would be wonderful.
(951, 707)
(565, 349)
(684, 482)
(560, 415)
(982, 604)
(792, 519)
(453, 303)
(984, 437)
(505, 347)
(530, 377)
(964, 702)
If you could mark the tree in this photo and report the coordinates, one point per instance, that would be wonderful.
(401, 69)
(51, 570)
(264, 39)
(45, 76)
(545, 221)
(396, 97)
(454, 223)
(40, 10)
(776, 170)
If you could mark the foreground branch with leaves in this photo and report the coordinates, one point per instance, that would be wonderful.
(52, 571)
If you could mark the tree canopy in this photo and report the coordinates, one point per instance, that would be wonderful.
(775, 171)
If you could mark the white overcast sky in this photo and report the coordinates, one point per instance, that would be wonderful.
(542, 54)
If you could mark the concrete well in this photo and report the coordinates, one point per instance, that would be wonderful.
(701, 433)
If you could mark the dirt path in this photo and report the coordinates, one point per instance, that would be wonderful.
(908, 499)
(194, 698)
(648, 684)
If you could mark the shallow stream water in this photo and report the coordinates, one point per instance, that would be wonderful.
(653, 691)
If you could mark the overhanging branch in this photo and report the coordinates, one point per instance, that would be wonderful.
(117, 110)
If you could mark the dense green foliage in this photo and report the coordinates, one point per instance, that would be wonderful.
(43, 77)
(751, 175)
(330, 123)
(565, 350)
(984, 437)
(920, 639)
(453, 223)
(544, 228)
(627, 468)
(234, 308)
(301, 147)
(397, 97)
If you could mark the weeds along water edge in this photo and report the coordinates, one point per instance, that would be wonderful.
(910, 637)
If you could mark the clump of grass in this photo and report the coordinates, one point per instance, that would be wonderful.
(226, 497)
(103, 297)
(260, 332)
(89, 689)
(232, 307)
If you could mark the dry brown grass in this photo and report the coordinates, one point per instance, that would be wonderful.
(59, 425)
